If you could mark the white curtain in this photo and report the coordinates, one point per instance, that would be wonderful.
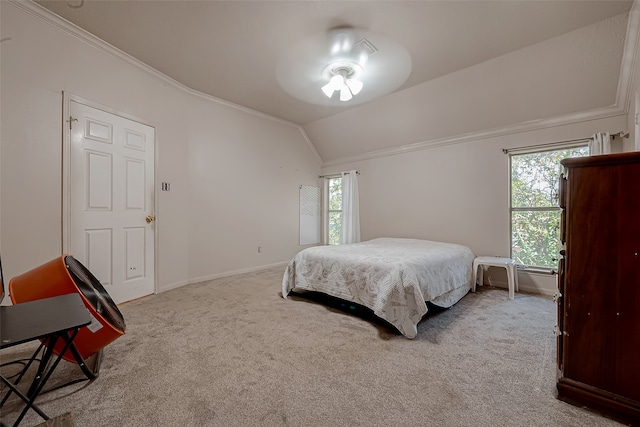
(350, 208)
(600, 143)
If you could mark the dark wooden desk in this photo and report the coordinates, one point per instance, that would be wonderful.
(49, 320)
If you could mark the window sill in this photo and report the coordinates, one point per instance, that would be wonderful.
(538, 270)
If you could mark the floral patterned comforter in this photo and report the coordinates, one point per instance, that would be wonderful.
(391, 276)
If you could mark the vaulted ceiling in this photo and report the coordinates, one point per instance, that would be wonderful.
(232, 49)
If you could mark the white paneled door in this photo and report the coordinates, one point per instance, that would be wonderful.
(111, 200)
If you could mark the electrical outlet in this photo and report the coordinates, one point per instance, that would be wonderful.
(259, 249)
(166, 186)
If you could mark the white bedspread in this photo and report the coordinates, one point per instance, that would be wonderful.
(393, 277)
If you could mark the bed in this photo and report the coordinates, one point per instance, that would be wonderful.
(393, 277)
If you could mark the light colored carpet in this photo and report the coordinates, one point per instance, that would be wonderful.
(233, 352)
(64, 420)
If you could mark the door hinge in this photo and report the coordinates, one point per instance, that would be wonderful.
(70, 121)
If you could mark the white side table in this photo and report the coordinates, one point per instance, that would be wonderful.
(492, 261)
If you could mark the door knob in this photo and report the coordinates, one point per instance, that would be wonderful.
(150, 218)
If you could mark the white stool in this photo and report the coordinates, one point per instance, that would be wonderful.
(492, 261)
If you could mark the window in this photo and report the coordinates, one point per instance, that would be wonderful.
(334, 211)
(535, 214)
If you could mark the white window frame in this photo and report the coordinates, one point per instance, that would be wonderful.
(326, 211)
(531, 150)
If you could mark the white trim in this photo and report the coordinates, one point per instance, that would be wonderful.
(60, 23)
(594, 114)
(551, 146)
(84, 101)
(629, 58)
(221, 275)
(310, 144)
(66, 173)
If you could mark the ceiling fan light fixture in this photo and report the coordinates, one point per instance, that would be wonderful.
(345, 93)
(336, 83)
(355, 85)
(343, 77)
(306, 68)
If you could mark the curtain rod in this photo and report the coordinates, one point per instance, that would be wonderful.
(335, 175)
(621, 134)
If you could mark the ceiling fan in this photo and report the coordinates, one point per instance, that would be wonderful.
(344, 66)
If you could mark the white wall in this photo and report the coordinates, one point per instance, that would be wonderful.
(244, 188)
(234, 175)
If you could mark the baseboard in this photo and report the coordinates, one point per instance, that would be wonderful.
(530, 282)
(221, 275)
(524, 288)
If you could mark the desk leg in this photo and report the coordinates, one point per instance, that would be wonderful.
(91, 375)
(42, 366)
(24, 371)
(38, 383)
(24, 398)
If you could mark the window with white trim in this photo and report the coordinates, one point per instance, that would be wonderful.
(534, 208)
(334, 210)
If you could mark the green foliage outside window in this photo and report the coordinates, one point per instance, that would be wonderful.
(335, 210)
(535, 214)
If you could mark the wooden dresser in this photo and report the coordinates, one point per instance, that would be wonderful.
(599, 285)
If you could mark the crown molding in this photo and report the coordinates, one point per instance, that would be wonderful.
(584, 116)
(629, 58)
(310, 144)
(34, 9)
(620, 108)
